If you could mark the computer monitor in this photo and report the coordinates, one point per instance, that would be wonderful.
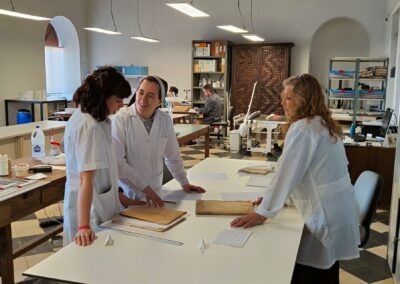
(385, 122)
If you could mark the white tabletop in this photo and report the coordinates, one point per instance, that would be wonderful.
(269, 254)
(27, 128)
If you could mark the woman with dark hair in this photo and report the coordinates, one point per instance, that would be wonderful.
(313, 173)
(91, 189)
(143, 135)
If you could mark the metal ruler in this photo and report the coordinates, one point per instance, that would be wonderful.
(144, 236)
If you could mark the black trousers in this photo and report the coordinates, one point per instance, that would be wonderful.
(304, 274)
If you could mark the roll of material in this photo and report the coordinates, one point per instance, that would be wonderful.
(4, 169)
(21, 170)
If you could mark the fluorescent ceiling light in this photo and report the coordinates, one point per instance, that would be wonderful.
(188, 9)
(232, 29)
(253, 37)
(103, 31)
(145, 39)
(22, 15)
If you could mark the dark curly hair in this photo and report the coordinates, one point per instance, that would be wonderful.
(103, 83)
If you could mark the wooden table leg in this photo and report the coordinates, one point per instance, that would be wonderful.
(207, 143)
(6, 255)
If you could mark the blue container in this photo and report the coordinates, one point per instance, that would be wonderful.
(24, 116)
(135, 70)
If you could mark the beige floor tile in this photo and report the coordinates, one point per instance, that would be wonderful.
(380, 210)
(386, 281)
(27, 228)
(14, 231)
(379, 227)
(54, 210)
(196, 156)
(35, 259)
(18, 277)
(20, 263)
(217, 150)
(347, 278)
(380, 250)
(185, 148)
(190, 163)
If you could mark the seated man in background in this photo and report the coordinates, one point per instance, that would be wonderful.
(214, 106)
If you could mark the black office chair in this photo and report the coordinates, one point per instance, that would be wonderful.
(221, 126)
(367, 189)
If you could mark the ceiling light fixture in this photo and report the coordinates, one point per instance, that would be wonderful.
(105, 31)
(233, 29)
(141, 36)
(253, 37)
(12, 13)
(188, 9)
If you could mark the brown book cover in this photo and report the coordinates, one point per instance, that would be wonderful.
(156, 215)
(220, 207)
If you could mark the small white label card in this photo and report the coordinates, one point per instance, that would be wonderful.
(232, 237)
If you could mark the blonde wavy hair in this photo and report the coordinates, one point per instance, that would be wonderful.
(309, 102)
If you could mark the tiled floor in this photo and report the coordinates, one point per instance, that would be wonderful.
(371, 267)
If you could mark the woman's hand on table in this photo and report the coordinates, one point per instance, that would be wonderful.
(189, 188)
(153, 200)
(249, 220)
(84, 237)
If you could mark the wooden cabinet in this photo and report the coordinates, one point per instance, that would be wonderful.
(269, 64)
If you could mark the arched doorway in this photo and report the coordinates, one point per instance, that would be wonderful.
(342, 37)
(63, 71)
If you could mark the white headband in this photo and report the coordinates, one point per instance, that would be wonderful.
(162, 88)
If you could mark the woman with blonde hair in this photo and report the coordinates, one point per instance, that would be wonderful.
(313, 174)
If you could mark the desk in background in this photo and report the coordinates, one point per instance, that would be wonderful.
(32, 103)
(268, 256)
(16, 206)
(189, 132)
(15, 140)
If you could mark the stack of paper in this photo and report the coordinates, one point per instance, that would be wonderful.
(260, 170)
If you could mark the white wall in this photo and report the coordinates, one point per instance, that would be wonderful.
(278, 21)
(22, 45)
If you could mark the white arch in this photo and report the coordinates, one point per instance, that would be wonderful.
(340, 36)
(68, 40)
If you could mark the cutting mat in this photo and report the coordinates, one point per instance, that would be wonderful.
(162, 216)
(219, 207)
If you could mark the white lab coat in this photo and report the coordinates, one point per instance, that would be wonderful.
(88, 147)
(139, 154)
(313, 172)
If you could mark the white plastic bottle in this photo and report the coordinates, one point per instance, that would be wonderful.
(38, 143)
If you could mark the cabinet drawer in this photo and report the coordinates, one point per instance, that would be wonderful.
(26, 203)
(5, 213)
(53, 194)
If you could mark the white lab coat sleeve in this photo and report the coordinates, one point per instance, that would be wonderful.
(90, 150)
(298, 153)
(126, 173)
(172, 156)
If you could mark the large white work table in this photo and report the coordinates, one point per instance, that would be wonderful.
(268, 256)
(15, 140)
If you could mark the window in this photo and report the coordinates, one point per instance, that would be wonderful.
(54, 57)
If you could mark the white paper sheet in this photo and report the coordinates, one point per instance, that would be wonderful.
(241, 196)
(232, 237)
(259, 180)
(178, 195)
(207, 176)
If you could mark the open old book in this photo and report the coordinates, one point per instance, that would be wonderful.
(151, 218)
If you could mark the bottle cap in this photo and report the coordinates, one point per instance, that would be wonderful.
(55, 143)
